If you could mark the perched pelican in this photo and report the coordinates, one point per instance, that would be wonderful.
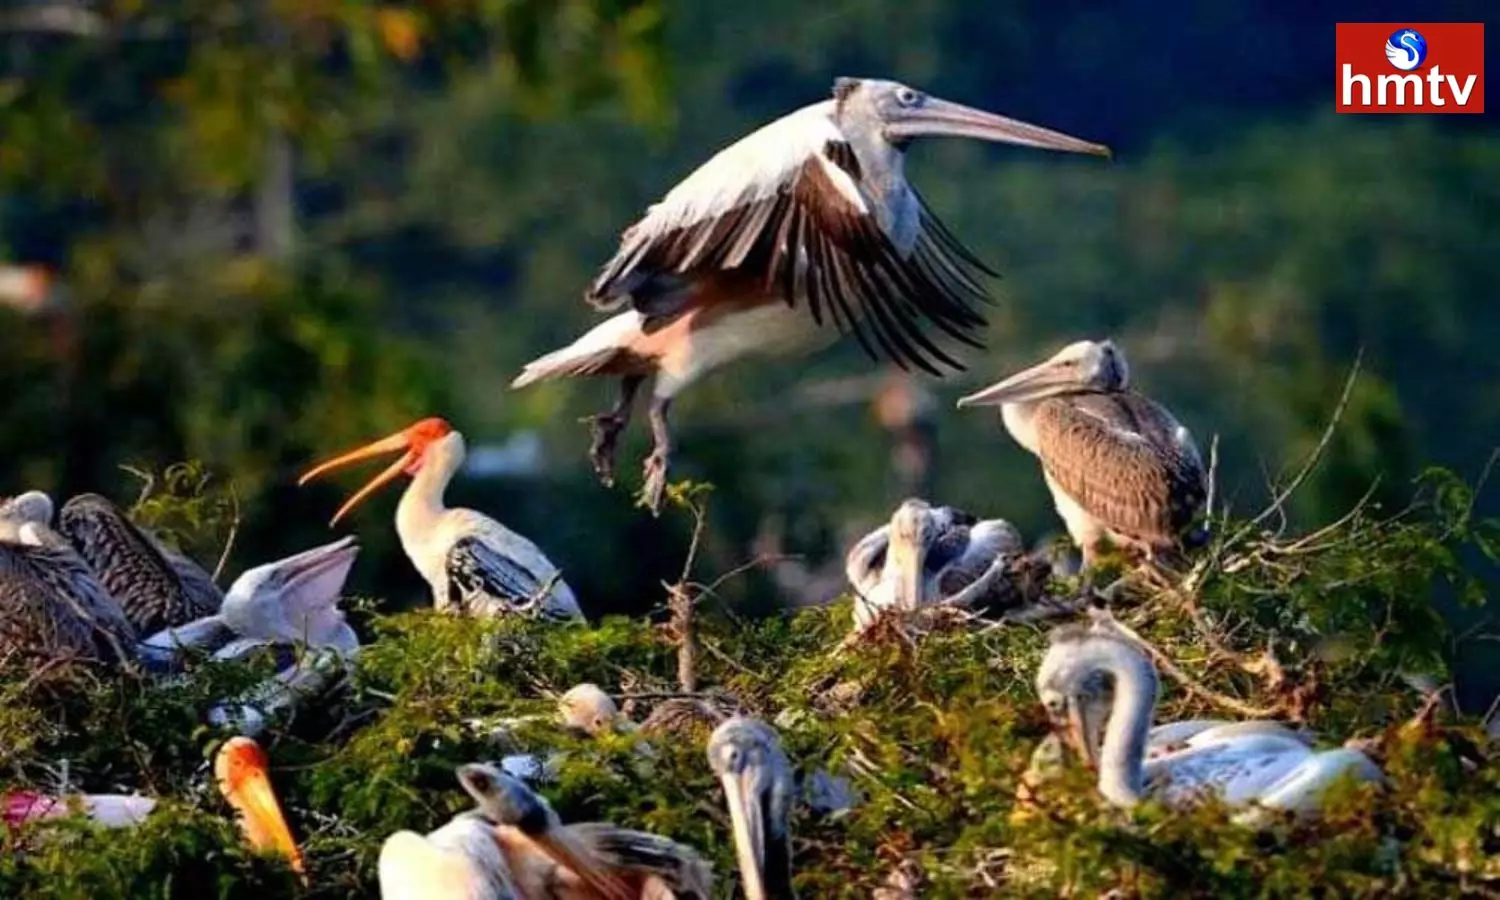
(459, 861)
(757, 778)
(242, 773)
(1263, 764)
(32, 506)
(472, 563)
(155, 585)
(811, 209)
(1119, 467)
(584, 708)
(924, 555)
(592, 860)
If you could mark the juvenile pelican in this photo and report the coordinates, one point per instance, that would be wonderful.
(813, 209)
(924, 555)
(1267, 766)
(757, 778)
(459, 861)
(472, 563)
(243, 776)
(1119, 467)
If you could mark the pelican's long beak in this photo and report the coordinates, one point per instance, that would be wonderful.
(261, 819)
(311, 583)
(1042, 380)
(943, 118)
(747, 816)
(399, 442)
(1080, 733)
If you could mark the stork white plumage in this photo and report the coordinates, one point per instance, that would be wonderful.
(472, 563)
(813, 209)
(461, 860)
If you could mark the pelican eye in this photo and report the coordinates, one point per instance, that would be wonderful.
(908, 97)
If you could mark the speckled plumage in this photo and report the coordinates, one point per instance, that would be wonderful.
(52, 608)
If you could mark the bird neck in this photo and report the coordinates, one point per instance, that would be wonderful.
(1020, 421)
(1122, 756)
(882, 168)
(422, 503)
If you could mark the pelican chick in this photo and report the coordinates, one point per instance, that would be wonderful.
(1120, 468)
(746, 756)
(243, 776)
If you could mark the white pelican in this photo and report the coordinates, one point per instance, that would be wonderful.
(459, 861)
(813, 209)
(1264, 764)
(924, 555)
(747, 757)
(1120, 468)
(243, 776)
(472, 563)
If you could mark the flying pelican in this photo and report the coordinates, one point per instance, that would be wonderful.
(1271, 767)
(747, 757)
(155, 585)
(243, 776)
(811, 209)
(925, 554)
(1119, 467)
(472, 563)
(592, 860)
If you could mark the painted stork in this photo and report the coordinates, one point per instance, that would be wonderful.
(243, 776)
(109, 810)
(1265, 764)
(811, 210)
(746, 755)
(1119, 466)
(472, 563)
(157, 586)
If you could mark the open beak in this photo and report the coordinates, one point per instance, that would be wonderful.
(1034, 383)
(396, 443)
(746, 815)
(558, 845)
(262, 821)
(943, 118)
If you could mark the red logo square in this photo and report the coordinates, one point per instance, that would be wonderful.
(1419, 67)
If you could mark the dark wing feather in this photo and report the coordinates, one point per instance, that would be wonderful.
(684, 872)
(52, 608)
(483, 581)
(1119, 457)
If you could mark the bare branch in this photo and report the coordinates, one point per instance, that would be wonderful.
(234, 531)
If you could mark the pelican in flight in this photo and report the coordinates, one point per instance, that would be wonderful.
(1263, 765)
(747, 757)
(924, 555)
(472, 563)
(243, 776)
(811, 210)
(1120, 468)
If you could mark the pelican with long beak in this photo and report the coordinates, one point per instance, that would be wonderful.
(757, 778)
(243, 776)
(1120, 468)
(803, 229)
(472, 563)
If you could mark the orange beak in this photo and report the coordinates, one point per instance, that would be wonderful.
(246, 784)
(401, 442)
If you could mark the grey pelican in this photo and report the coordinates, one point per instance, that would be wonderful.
(52, 607)
(1119, 467)
(747, 757)
(471, 562)
(925, 554)
(813, 209)
(243, 776)
(591, 860)
(1269, 767)
(155, 585)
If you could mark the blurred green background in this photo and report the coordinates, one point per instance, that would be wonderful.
(282, 228)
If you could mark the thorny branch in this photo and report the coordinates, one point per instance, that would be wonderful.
(680, 597)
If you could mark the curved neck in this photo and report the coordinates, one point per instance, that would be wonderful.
(1122, 756)
(422, 503)
(1020, 421)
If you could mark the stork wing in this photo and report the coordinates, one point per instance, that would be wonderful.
(785, 205)
(484, 581)
(1125, 461)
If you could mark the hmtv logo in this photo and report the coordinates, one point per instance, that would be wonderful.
(1391, 67)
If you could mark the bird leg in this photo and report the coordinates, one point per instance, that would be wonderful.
(606, 428)
(661, 454)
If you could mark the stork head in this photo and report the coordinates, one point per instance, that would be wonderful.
(415, 443)
(294, 599)
(757, 780)
(899, 113)
(1080, 366)
(587, 708)
(243, 776)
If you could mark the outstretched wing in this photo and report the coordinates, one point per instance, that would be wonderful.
(484, 581)
(785, 205)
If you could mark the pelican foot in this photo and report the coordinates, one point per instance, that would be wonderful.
(656, 482)
(605, 428)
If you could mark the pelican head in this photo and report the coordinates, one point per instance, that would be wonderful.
(243, 776)
(1081, 366)
(32, 506)
(415, 443)
(587, 708)
(757, 780)
(914, 527)
(295, 599)
(1075, 684)
(507, 801)
(898, 113)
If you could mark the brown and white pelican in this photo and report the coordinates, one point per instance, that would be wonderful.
(1264, 765)
(1120, 468)
(472, 563)
(747, 757)
(813, 209)
(927, 554)
(243, 776)
(157, 586)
